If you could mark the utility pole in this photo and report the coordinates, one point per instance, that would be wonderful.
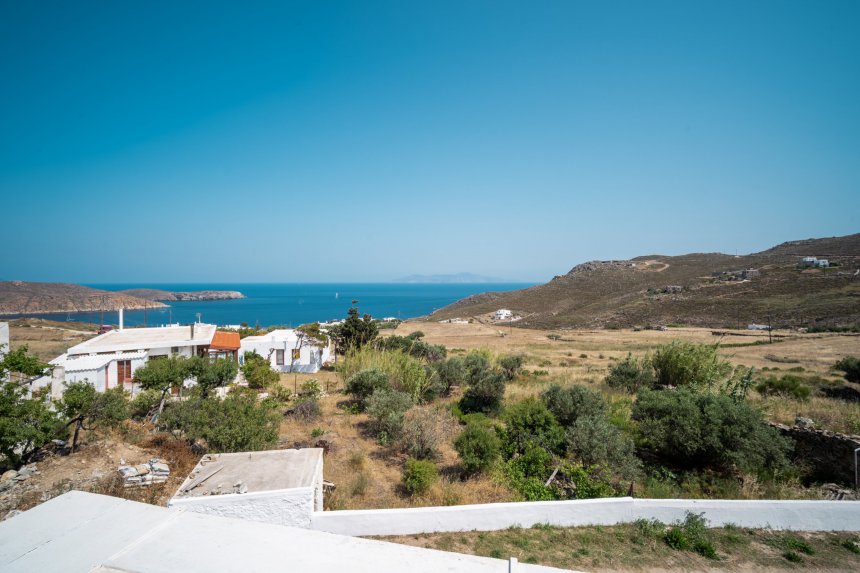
(769, 329)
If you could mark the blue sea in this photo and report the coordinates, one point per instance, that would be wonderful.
(292, 304)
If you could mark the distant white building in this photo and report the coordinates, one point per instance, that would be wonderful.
(287, 350)
(503, 314)
(111, 359)
(808, 261)
(4, 339)
(824, 263)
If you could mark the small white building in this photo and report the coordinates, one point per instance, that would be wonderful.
(284, 487)
(808, 261)
(4, 339)
(824, 263)
(287, 350)
(503, 314)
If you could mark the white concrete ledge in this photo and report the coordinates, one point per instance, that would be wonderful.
(789, 515)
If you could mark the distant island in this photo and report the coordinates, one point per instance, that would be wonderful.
(458, 278)
(170, 296)
(22, 297)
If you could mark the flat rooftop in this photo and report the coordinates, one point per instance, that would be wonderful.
(259, 471)
(81, 532)
(146, 338)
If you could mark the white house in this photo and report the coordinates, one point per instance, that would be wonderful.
(503, 314)
(110, 359)
(287, 350)
(808, 261)
(822, 263)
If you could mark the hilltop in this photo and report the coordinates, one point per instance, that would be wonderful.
(699, 289)
(21, 297)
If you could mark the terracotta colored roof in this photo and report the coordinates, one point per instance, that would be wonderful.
(225, 340)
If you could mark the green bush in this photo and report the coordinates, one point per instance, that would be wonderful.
(691, 534)
(531, 422)
(451, 373)
(421, 433)
(478, 447)
(511, 365)
(306, 410)
(387, 410)
(850, 365)
(578, 481)
(685, 364)
(568, 404)
(413, 346)
(419, 476)
(596, 442)
(144, 405)
(704, 430)
(631, 375)
(84, 407)
(526, 474)
(485, 393)
(235, 424)
(476, 365)
(258, 372)
(789, 385)
(365, 382)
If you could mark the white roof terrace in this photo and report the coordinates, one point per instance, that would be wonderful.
(146, 338)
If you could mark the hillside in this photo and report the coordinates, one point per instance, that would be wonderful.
(165, 295)
(695, 289)
(20, 297)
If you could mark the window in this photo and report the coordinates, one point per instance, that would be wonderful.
(174, 350)
(279, 357)
(123, 371)
(297, 353)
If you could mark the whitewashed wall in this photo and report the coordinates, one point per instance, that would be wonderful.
(292, 506)
(790, 515)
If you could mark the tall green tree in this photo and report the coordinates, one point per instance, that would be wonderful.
(26, 424)
(19, 365)
(211, 374)
(355, 331)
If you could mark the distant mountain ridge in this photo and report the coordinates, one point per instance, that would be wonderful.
(457, 278)
(703, 289)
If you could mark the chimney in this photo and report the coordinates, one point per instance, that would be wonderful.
(121, 321)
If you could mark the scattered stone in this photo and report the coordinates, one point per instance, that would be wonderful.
(804, 422)
(155, 470)
(10, 474)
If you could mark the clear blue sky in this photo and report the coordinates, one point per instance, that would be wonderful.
(363, 141)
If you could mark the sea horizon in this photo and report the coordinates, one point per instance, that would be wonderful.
(286, 304)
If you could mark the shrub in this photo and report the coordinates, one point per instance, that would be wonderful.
(511, 365)
(365, 382)
(235, 424)
(84, 407)
(306, 410)
(421, 433)
(451, 373)
(414, 346)
(631, 375)
(476, 365)
(788, 385)
(578, 481)
(485, 393)
(478, 447)
(568, 404)
(419, 476)
(680, 364)
(258, 372)
(596, 442)
(311, 390)
(387, 409)
(526, 474)
(144, 404)
(691, 534)
(850, 365)
(405, 373)
(704, 430)
(530, 422)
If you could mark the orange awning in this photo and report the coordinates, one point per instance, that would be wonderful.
(225, 341)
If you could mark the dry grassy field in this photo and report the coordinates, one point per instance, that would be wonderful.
(367, 474)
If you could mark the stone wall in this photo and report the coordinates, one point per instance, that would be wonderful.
(829, 455)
